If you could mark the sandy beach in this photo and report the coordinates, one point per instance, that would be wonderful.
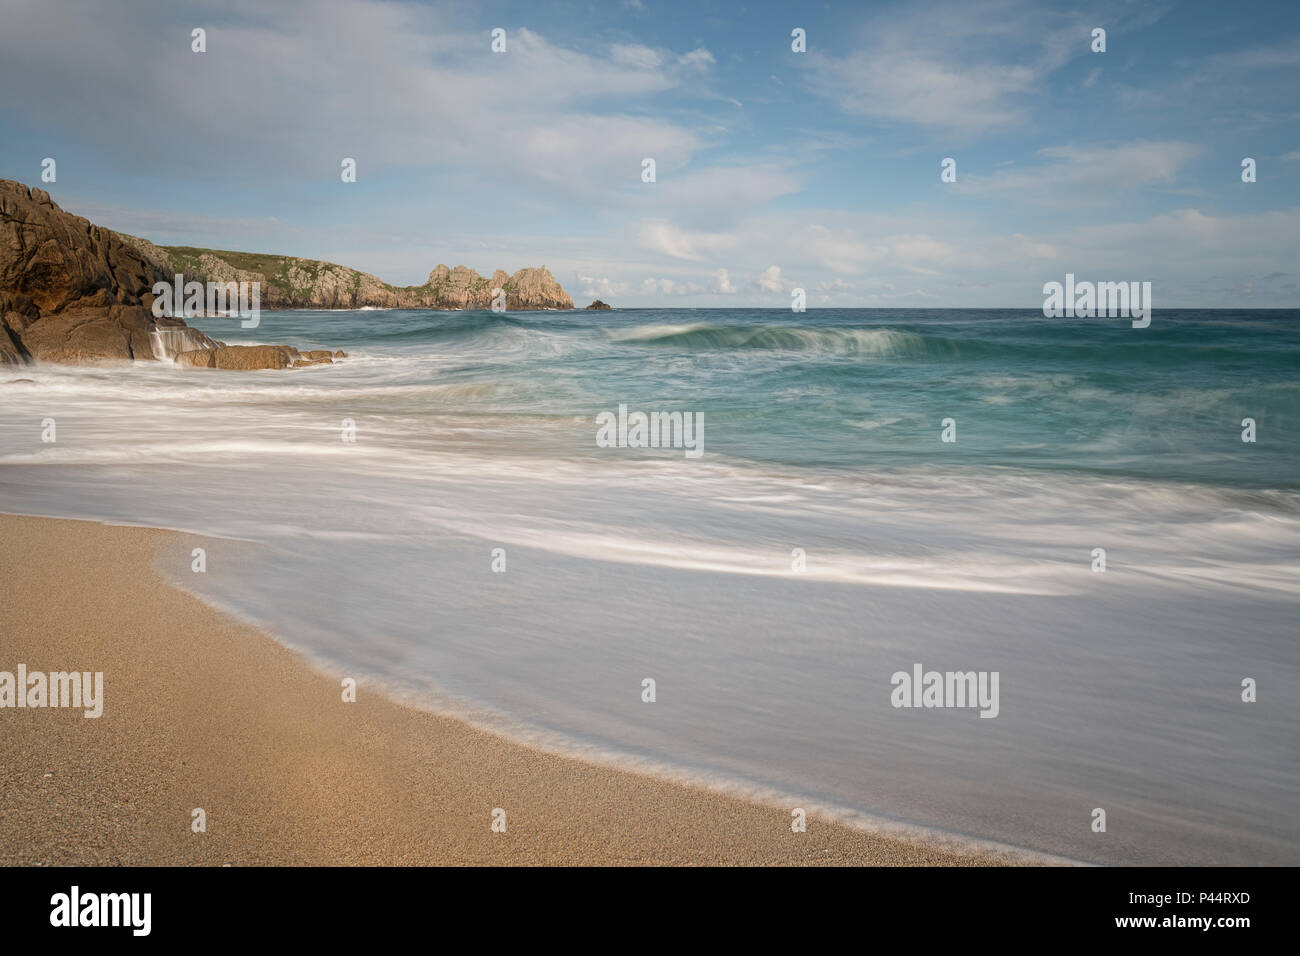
(201, 711)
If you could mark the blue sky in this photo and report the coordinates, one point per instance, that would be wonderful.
(775, 169)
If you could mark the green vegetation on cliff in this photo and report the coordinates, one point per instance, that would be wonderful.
(288, 281)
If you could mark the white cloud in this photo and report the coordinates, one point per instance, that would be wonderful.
(674, 287)
(840, 250)
(405, 86)
(600, 287)
(958, 67)
(1084, 173)
(770, 280)
(700, 59)
(635, 55)
(665, 238)
(709, 199)
(962, 67)
(915, 87)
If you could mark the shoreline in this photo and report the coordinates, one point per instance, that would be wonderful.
(204, 711)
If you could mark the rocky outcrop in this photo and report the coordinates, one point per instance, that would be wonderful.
(291, 283)
(602, 306)
(75, 293)
(462, 288)
(244, 358)
(70, 291)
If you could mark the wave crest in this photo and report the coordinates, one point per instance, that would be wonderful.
(826, 341)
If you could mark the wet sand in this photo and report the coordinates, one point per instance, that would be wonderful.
(201, 711)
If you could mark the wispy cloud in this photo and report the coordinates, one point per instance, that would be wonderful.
(1083, 173)
(959, 69)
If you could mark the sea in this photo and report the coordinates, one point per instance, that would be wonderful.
(1106, 517)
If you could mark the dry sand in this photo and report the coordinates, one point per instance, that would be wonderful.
(202, 711)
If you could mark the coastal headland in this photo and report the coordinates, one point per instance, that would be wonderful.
(75, 293)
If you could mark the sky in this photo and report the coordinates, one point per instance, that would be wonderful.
(774, 169)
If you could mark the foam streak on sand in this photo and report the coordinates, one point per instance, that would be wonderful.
(209, 713)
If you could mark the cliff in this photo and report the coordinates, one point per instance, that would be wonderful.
(73, 292)
(291, 283)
